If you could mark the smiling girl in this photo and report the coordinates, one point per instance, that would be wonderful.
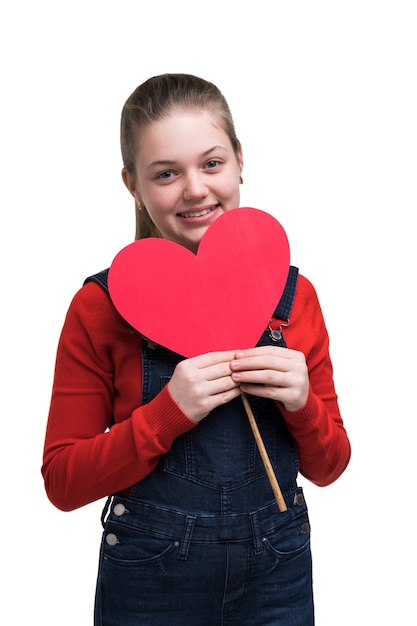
(186, 174)
(192, 531)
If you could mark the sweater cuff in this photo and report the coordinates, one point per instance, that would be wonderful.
(164, 419)
(305, 418)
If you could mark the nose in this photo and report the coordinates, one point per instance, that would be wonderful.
(195, 187)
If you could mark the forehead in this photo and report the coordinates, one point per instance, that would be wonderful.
(183, 131)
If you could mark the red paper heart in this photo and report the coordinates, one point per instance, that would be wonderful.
(221, 298)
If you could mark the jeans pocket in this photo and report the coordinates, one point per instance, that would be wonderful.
(127, 546)
(289, 540)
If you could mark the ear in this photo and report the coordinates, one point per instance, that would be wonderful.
(239, 155)
(130, 182)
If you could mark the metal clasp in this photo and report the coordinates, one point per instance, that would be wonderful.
(276, 335)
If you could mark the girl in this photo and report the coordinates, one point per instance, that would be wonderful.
(192, 532)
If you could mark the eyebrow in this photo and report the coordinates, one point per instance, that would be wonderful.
(166, 162)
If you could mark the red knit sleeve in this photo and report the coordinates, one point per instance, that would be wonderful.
(322, 443)
(97, 379)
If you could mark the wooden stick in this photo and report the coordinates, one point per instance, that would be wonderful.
(264, 454)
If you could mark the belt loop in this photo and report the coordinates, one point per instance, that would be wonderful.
(185, 543)
(257, 539)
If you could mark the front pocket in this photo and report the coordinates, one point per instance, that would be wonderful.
(123, 545)
(291, 539)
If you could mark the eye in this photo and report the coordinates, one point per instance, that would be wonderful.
(212, 164)
(166, 175)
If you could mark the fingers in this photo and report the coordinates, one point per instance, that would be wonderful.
(212, 358)
(266, 354)
(202, 383)
(272, 372)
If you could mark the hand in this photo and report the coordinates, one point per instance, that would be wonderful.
(202, 383)
(273, 372)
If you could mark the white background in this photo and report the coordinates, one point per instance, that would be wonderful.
(324, 99)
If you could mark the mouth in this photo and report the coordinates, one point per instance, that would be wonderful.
(198, 212)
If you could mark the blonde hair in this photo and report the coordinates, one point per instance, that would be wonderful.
(155, 99)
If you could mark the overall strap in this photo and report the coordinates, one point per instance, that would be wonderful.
(100, 278)
(283, 310)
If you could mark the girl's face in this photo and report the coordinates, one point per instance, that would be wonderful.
(186, 174)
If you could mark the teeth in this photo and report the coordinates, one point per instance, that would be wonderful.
(196, 214)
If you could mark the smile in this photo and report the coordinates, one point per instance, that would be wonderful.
(197, 213)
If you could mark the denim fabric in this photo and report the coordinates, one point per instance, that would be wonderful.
(161, 567)
(201, 541)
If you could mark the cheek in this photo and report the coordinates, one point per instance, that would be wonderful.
(158, 200)
(233, 194)
(232, 187)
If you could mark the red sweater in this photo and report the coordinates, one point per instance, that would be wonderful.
(98, 376)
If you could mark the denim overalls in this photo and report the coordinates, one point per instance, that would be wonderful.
(201, 541)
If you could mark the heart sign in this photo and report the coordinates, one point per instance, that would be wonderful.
(221, 298)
